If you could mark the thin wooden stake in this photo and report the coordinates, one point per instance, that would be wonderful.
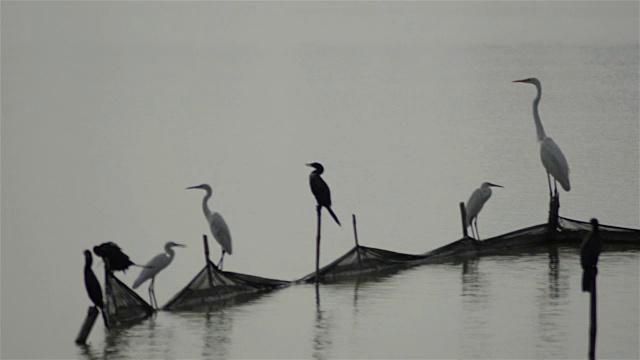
(318, 209)
(355, 234)
(206, 259)
(593, 326)
(552, 225)
(85, 330)
(463, 215)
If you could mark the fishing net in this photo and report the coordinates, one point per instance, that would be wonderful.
(362, 260)
(576, 230)
(122, 304)
(211, 286)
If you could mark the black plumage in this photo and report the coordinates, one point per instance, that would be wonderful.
(320, 189)
(91, 283)
(109, 251)
(589, 254)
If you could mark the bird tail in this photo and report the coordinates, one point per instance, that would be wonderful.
(589, 278)
(333, 215)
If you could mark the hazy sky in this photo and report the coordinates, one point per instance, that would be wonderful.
(111, 109)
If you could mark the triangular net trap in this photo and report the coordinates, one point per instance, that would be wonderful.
(212, 286)
(362, 260)
(122, 304)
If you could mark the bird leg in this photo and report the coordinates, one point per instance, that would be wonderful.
(549, 181)
(477, 232)
(220, 262)
(152, 294)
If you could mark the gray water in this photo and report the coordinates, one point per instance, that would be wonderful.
(523, 306)
(111, 109)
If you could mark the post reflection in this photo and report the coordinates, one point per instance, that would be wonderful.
(475, 301)
(321, 331)
(552, 296)
(216, 337)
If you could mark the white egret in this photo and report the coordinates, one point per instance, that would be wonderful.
(552, 157)
(153, 267)
(92, 285)
(475, 203)
(218, 226)
(589, 253)
(320, 189)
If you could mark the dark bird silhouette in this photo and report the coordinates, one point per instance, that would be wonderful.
(320, 189)
(589, 253)
(111, 253)
(93, 286)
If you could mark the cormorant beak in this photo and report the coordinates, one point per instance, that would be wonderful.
(193, 187)
(179, 245)
(520, 81)
(309, 165)
(495, 185)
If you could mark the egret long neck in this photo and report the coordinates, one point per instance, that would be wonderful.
(170, 252)
(205, 205)
(536, 117)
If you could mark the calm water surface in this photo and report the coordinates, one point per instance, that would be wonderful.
(526, 305)
(111, 109)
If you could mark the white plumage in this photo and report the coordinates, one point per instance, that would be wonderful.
(219, 227)
(552, 157)
(153, 267)
(475, 203)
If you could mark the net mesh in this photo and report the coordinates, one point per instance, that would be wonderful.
(362, 260)
(122, 304)
(212, 285)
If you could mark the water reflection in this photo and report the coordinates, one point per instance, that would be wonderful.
(322, 330)
(216, 339)
(551, 300)
(475, 301)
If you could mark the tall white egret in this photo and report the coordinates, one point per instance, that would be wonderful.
(589, 253)
(92, 285)
(153, 267)
(475, 203)
(552, 157)
(320, 189)
(218, 226)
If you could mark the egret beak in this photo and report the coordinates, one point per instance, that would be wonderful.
(193, 187)
(179, 245)
(495, 185)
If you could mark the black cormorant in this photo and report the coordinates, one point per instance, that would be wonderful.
(93, 286)
(118, 261)
(320, 189)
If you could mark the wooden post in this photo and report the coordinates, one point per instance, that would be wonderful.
(92, 315)
(355, 234)
(552, 225)
(206, 258)
(463, 215)
(593, 326)
(318, 209)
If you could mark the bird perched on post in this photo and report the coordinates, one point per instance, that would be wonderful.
(111, 253)
(320, 189)
(153, 267)
(552, 157)
(475, 203)
(93, 286)
(218, 226)
(589, 254)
